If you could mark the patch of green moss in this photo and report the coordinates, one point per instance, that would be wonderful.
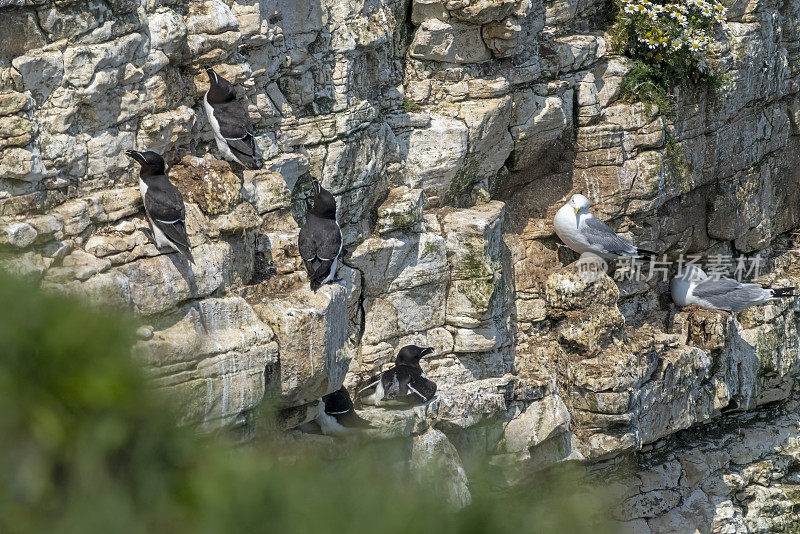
(150, 129)
(409, 106)
(462, 182)
(324, 105)
(793, 494)
(431, 248)
(403, 220)
(741, 53)
(766, 367)
(478, 292)
(675, 159)
(472, 264)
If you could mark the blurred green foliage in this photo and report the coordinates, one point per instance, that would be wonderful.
(87, 446)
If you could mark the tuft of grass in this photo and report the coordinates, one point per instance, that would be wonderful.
(650, 85)
(409, 106)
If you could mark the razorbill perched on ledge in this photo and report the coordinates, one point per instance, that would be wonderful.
(693, 286)
(402, 385)
(583, 232)
(337, 416)
(163, 203)
(320, 239)
(230, 122)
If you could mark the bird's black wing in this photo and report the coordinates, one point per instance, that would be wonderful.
(319, 243)
(233, 119)
(337, 402)
(408, 386)
(422, 387)
(164, 205)
(391, 384)
(245, 150)
(164, 201)
(236, 128)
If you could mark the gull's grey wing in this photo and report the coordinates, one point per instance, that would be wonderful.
(602, 236)
(730, 295)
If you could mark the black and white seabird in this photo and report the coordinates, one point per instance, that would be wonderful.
(337, 416)
(402, 385)
(230, 122)
(163, 203)
(320, 239)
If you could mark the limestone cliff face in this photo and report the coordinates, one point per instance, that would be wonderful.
(449, 131)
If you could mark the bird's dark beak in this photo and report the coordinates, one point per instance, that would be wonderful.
(136, 156)
(426, 351)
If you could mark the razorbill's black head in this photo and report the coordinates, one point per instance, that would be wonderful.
(324, 202)
(230, 122)
(151, 163)
(411, 354)
(320, 239)
(221, 90)
(163, 203)
(337, 416)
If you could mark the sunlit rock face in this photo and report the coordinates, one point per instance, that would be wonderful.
(449, 132)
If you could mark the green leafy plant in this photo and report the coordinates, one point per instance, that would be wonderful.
(669, 44)
(409, 106)
(88, 446)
